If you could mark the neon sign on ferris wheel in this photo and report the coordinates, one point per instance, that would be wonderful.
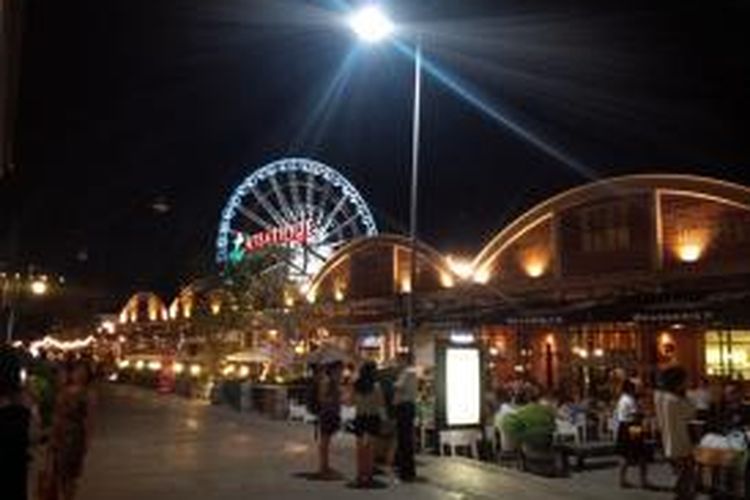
(297, 233)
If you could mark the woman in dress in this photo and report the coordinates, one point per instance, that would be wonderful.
(370, 407)
(71, 430)
(329, 415)
(630, 438)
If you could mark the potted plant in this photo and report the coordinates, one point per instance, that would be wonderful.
(533, 426)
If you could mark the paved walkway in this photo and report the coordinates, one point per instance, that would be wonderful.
(151, 447)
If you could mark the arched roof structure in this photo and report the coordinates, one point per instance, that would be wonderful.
(206, 292)
(658, 186)
(143, 307)
(384, 250)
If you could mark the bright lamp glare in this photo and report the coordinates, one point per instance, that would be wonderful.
(39, 287)
(371, 24)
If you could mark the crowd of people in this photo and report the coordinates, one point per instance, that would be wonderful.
(682, 418)
(643, 419)
(46, 414)
(47, 409)
(384, 403)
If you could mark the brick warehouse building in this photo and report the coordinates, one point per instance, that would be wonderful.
(633, 272)
(630, 273)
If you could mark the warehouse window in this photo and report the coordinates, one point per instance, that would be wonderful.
(728, 353)
(605, 229)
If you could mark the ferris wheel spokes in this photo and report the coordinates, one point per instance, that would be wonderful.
(295, 190)
(298, 204)
(310, 194)
(254, 217)
(327, 190)
(275, 215)
(332, 214)
(339, 228)
(288, 213)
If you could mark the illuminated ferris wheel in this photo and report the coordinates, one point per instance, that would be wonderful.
(295, 203)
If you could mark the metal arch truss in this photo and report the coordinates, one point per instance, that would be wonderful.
(290, 191)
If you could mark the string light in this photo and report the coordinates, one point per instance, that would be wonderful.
(62, 345)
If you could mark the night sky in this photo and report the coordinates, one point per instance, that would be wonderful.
(128, 102)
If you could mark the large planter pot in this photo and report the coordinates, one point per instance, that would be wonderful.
(230, 393)
(543, 459)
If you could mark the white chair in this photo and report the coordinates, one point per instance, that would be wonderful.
(297, 412)
(609, 425)
(489, 435)
(581, 428)
(566, 431)
(348, 414)
(424, 429)
(454, 439)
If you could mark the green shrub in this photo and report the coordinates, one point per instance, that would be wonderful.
(532, 424)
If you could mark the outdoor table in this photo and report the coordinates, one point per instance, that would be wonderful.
(721, 465)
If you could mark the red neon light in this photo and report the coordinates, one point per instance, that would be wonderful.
(299, 232)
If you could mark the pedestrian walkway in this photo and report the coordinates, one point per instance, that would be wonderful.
(151, 447)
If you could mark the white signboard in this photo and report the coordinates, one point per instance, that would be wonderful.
(462, 392)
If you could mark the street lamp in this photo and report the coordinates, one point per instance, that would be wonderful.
(372, 25)
(39, 287)
(13, 288)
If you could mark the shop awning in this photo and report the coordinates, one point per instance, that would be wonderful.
(715, 308)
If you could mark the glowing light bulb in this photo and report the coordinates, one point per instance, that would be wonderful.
(460, 267)
(39, 287)
(689, 252)
(371, 24)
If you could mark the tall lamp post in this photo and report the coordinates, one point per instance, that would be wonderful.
(372, 25)
(12, 288)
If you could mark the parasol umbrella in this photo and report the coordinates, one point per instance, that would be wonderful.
(249, 356)
(328, 354)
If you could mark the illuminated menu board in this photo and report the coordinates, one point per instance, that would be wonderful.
(462, 391)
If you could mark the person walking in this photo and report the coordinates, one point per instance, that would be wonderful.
(369, 404)
(329, 415)
(673, 413)
(405, 398)
(15, 425)
(72, 429)
(629, 435)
